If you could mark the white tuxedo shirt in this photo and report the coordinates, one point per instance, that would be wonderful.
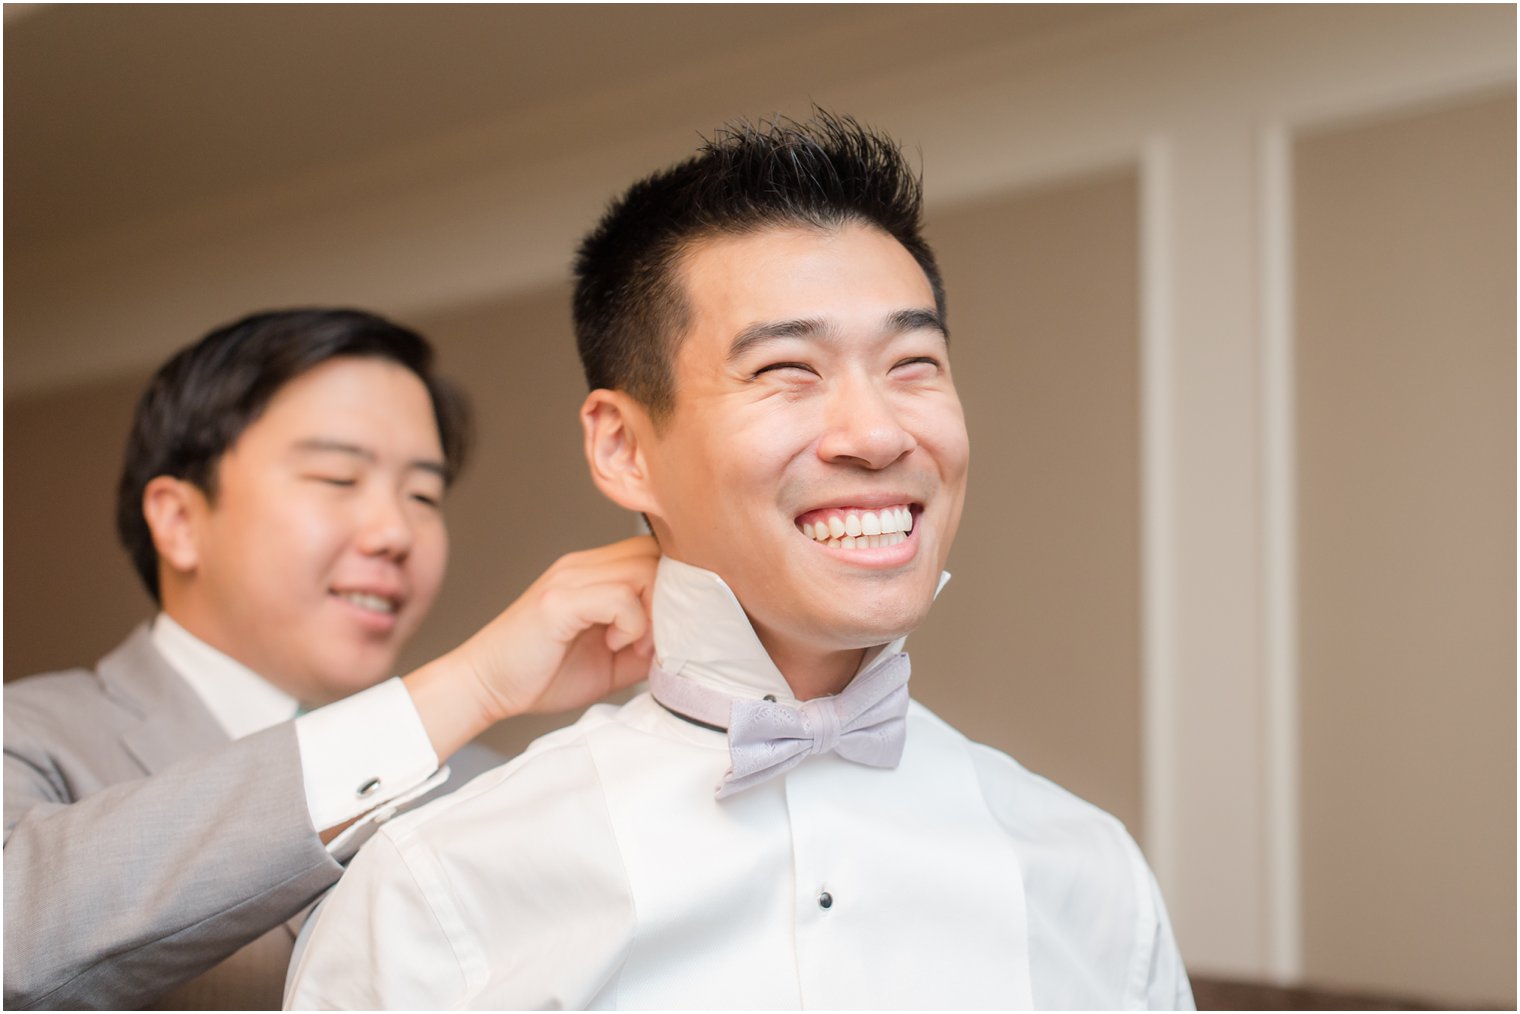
(597, 870)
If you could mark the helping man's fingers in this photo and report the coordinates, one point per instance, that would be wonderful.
(631, 665)
(615, 604)
(637, 547)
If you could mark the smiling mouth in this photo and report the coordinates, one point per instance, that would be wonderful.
(858, 528)
(371, 602)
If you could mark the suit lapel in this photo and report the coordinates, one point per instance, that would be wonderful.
(175, 724)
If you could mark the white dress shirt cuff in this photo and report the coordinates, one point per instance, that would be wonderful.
(363, 757)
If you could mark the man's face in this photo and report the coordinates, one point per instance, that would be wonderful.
(812, 389)
(324, 546)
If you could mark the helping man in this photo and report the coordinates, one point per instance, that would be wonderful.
(775, 824)
(168, 812)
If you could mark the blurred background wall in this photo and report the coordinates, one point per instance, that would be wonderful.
(1233, 297)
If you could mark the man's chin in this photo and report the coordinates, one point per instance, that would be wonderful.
(859, 629)
(346, 679)
(890, 605)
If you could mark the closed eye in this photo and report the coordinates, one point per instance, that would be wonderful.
(918, 361)
(333, 480)
(785, 366)
(424, 498)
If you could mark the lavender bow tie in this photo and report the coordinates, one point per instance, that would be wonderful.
(863, 723)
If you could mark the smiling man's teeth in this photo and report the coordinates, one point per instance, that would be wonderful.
(375, 603)
(856, 529)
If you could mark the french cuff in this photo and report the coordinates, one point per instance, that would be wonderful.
(363, 757)
(381, 814)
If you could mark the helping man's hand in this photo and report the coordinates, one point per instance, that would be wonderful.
(577, 634)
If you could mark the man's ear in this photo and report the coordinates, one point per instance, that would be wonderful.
(172, 508)
(616, 429)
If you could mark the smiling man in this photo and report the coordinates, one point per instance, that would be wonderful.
(775, 824)
(168, 811)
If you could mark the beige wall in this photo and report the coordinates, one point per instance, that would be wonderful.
(72, 595)
(1405, 245)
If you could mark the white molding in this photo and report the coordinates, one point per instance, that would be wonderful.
(1158, 544)
(1279, 559)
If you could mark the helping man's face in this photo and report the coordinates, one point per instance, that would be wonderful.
(813, 391)
(325, 546)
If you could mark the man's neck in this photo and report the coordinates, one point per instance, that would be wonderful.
(195, 618)
(703, 632)
(239, 699)
(811, 673)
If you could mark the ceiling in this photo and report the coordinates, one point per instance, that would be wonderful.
(119, 112)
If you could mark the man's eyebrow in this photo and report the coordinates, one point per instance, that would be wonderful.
(900, 322)
(329, 446)
(770, 330)
(917, 320)
(335, 447)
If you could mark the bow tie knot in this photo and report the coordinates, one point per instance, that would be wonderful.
(821, 720)
(863, 723)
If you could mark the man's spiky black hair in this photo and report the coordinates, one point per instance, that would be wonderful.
(824, 173)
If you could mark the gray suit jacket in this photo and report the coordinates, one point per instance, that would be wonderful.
(148, 859)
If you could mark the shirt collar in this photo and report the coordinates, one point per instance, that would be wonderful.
(701, 632)
(241, 701)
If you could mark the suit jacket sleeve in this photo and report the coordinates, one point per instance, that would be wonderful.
(115, 897)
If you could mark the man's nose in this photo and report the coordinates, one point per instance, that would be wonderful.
(863, 426)
(384, 528)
